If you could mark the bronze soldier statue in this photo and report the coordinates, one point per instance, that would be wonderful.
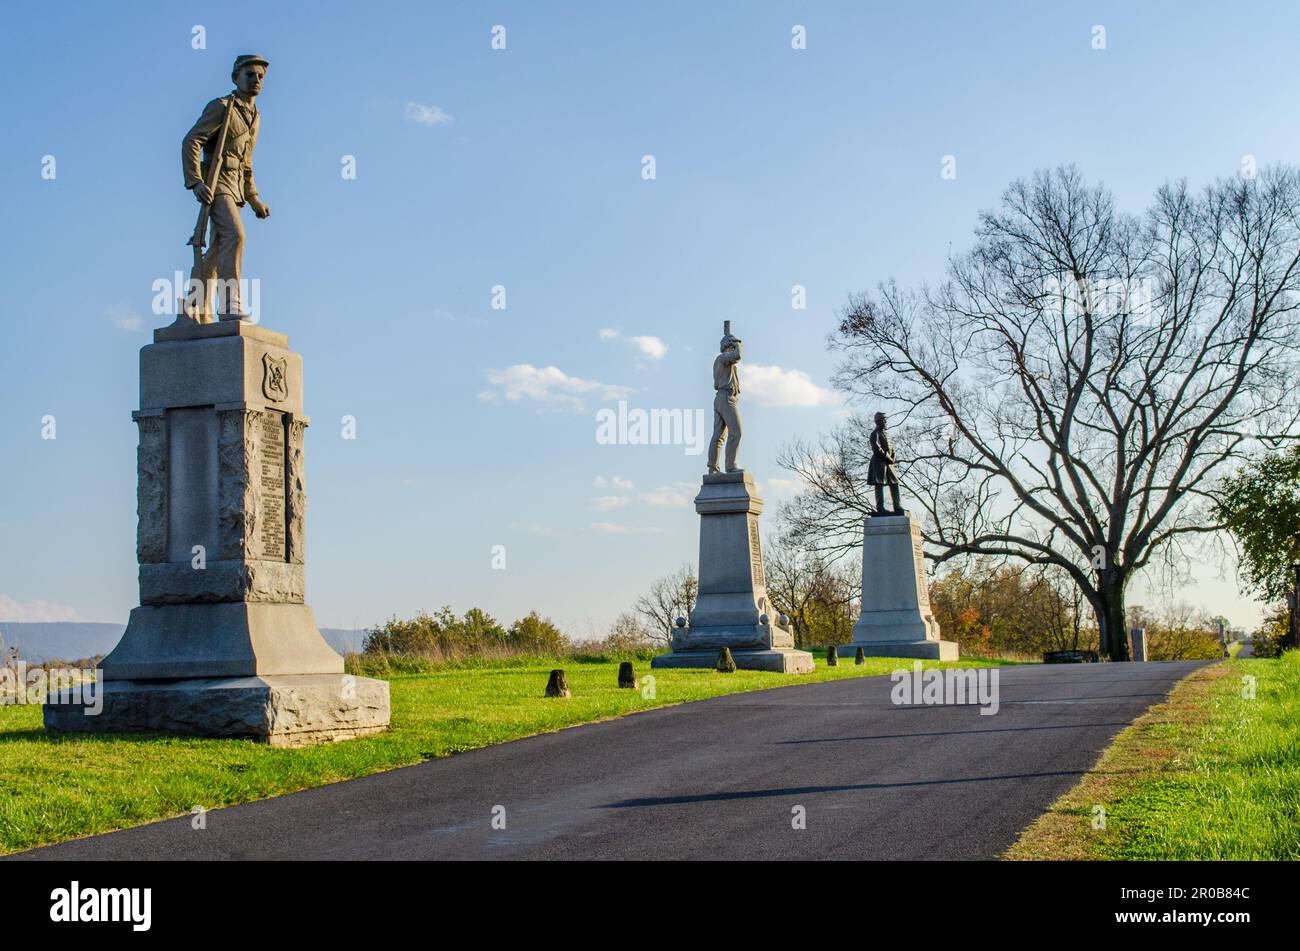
(881, 471)
(726, 417)
(222, 181)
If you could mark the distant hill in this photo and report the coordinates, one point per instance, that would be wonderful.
(60, 640)
(72, 640)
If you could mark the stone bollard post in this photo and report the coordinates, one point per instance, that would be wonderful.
(726, 665)
(626, 675)
(832, 657)
(859, 658)
(558, 685)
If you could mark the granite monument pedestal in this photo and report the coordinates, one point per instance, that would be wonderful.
(731, 608)
(223, 642)
(896, 619)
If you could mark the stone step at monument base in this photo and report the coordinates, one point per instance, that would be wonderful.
(287, 711)
(780, 661)
(925, 650)
(237, 639)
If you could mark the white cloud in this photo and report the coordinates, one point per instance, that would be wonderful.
(652, 347)
(772, 386)
(451, 317)
(648, 346)
(427, 114)
(677, 495)
(614, 528)
(34, 611)
(550, 386)
(532, 528)
(617, 482)
(124, 318)
(779, 488)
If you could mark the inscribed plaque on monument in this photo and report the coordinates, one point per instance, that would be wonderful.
(191, 481)
(270, 501)
(755, 552)
(918, 557)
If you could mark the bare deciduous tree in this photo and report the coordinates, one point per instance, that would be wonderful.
(669, 598)
(820, 595)
(1074, 387)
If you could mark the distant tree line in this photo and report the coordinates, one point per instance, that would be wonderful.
(446, 636)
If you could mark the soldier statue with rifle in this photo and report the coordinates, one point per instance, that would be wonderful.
(217, 160)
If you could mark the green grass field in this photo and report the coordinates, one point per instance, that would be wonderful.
(1210, 774)
(56, 789)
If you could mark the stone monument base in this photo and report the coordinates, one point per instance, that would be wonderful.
(782, 661)
(896, 618)
(731, 609)
(237, 639)
(280, 710)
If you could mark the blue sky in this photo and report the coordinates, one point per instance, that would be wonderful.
(774, 167)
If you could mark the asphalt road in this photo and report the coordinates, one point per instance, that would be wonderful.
(715, 779)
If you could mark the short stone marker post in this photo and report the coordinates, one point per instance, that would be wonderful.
(1139, 636)
(626, 675)
(859, 658)
(832, 657)
(558, 685)
(726, 665)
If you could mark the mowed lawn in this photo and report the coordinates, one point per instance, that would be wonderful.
(53, 789)
(1213, 773)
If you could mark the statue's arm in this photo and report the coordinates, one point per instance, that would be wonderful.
(732, 354)
(192, 145)
(250, 187)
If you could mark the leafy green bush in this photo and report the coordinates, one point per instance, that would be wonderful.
(536, 634)
(435, 641)
(442, 634)
(1267, 640)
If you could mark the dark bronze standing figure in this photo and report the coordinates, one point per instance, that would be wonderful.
(881, 471)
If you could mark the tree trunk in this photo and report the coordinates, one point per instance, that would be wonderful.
(1111, 620)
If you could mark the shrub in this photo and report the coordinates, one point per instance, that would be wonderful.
(442, 634)
(1268, 639)
(535, 634)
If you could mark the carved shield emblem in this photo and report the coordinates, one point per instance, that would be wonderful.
(275, 378)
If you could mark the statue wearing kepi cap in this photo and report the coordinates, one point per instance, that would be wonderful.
(217, 160)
